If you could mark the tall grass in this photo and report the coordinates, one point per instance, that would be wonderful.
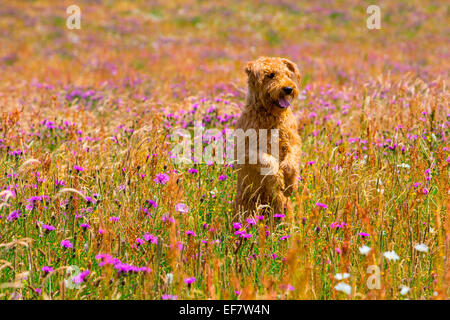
(88, 186)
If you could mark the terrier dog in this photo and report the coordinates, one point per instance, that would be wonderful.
(273, 83)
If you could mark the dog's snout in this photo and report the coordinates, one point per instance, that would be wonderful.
(288, 90)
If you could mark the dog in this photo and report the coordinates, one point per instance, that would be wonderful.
(273, 84)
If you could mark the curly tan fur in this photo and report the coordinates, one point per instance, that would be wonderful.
(266, 108)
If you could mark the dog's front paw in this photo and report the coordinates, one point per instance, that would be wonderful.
(290, 173)
(269, 164)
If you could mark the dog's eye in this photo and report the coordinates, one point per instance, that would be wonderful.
(271, 75)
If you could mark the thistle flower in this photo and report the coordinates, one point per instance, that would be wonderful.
(190, 280)
(151, 238)
(364, 234)
(237, 225)
(66, 244)
(81, 277)
(47, 269)
(85, 226)
(161, 178)
(322, 205)
(14, 215)
(47, 227)
(152, 203)
(78, 168)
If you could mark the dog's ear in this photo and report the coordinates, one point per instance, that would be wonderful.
(293, 68)
(250, 68)
(253, 72)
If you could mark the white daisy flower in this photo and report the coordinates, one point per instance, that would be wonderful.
(404, 290)
(391, 255)
(343, 287)
(364, 250)
(421, 247)
(341, 276)
(404, 165)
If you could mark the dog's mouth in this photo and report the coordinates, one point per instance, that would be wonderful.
(283, 103)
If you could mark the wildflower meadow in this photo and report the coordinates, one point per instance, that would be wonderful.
(94, 205)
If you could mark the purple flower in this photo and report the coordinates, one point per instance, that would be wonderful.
(318, 204)
(161, 178)
(47, 269)
(81, 276)
(14, 215)
(284, 237)
(279, 215)
(152, 203)
(78, 168)
(237, 225)
(190, 280)
(364, 234)
(182, 208)
(140, 241)
(47, 227)
(191, 233)
(149, 237)
(85, 226)
(113, 218)
(223, 177)
(66, 244)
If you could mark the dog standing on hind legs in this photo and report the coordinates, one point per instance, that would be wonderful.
(273, 83)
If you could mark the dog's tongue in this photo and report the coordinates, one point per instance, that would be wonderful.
(283, 102)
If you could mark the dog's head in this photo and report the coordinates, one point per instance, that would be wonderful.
(273, 82)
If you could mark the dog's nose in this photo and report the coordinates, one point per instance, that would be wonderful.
(288, 90)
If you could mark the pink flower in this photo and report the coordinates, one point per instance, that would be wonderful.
(149, 237)
(182, 208)
(161, 178)
(237, 225)
(190, 280)
(364, 234)
(322, 205)
(81, 277)
(66, 244)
